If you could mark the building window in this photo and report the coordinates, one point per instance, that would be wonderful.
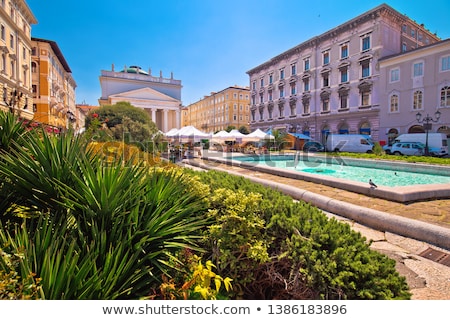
(253, 100)
(293, 109)
(3, 63)
(445, 63)
(13, 69)
(293, 69)
(365, 68)
(343, 100)
(418, 69)
(306, 84)
(11, 41)
(281, 74)
(365, 42)
(404, 47)
(306, 108)
(325, 105)
(261, 98)
(270, 95)
(281, 92)
(326, 79)
(365, 98)
(344, 51)
(2, 32)
(417, 100)
(262, 82)
(293, 88)
(326, 57)
(270, 78)
(306, 64)
(254, 85)
(393, 104)
(445, 96)
(394, 75)
(344, 75)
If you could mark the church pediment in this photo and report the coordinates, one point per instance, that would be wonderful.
(143, 94)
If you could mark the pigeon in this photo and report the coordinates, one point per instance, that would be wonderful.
(372, 185)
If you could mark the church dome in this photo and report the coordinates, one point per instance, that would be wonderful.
(134, 69)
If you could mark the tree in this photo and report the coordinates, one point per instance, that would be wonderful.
(280, 139)
(124, 122)
(229, 128)
(243, 130)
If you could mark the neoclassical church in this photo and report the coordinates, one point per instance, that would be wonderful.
(159, 96)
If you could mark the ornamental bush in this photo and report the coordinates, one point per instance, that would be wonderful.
(312, 255)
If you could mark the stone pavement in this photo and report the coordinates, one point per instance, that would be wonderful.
(428, 280)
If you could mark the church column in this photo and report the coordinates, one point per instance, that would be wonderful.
(154, 115)
(166, 120)
(178, 118)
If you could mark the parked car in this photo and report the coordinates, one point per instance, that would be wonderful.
(406, 148)
(313, 146)
(437, 142)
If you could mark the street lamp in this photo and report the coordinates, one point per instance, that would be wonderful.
(14, 101)
(427, 122)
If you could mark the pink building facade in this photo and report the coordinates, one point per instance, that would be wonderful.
(414, 82)
(331, 83)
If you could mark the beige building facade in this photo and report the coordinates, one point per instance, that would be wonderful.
(16, 19)
(229, 107)
(160, 97)
(53, 87)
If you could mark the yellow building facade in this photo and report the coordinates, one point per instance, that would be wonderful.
(53, 87)
(16, 19)
(229, 107)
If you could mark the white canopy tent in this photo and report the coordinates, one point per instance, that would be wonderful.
(187, 134)
(261, 135)
(222, 136)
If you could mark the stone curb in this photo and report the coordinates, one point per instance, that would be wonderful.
(378, 220)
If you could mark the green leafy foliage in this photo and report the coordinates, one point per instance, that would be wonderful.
(90, 229)
(121, 122)
(237, 233)
(332, 259)
(76, 227)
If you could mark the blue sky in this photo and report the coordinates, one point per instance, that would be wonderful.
(208, 45)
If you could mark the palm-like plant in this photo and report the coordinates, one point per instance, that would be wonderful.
(98, 231)
(11, 130)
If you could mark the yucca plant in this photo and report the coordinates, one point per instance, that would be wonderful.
(102, 231)
(12, 133)
(12, 129)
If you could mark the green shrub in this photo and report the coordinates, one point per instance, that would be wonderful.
(90, 229)
(333, 260)
(236, 236)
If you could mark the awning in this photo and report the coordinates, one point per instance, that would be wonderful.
(300, 136)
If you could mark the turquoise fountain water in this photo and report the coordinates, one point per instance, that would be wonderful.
(339, 168)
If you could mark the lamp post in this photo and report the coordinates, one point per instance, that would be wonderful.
(427, 122)
(14, 101)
